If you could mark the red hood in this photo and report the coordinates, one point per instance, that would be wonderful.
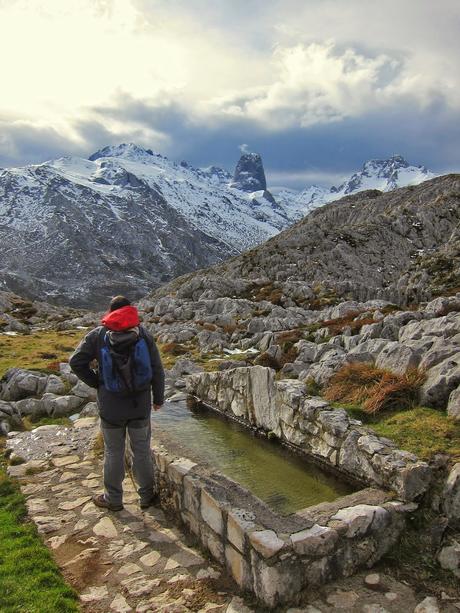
(121, 319)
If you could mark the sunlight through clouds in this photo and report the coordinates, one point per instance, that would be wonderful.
(83, 73)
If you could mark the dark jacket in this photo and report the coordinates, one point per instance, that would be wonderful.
(115, 408)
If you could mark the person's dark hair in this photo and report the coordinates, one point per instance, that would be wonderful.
(118, 302)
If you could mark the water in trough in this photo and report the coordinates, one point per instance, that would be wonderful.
(285, 481)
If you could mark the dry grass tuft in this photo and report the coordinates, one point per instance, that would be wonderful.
(375, 389)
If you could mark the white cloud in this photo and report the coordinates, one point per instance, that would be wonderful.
(262, 64)
(319, 83)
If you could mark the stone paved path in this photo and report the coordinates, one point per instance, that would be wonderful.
(132, 560)
(137, 560)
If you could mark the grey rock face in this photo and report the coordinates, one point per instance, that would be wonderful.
(111, 244)
(398, 358)
(249, 173)
(451, 496)
(453, 406)
(18, 384)
(10, 417)
(441, 381)
(368, 246)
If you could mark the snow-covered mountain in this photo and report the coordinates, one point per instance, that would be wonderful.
(79, 230)
(384, 175)
(126, 219)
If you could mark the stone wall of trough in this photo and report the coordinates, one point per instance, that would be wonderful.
(329, 435)
(276, 559)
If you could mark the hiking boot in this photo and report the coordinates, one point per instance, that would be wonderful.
(153, 501)
(101, 501)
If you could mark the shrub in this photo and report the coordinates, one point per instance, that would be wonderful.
(313, 388)
(174, 348)
(375, 389)
(337, 326)
(265, 359)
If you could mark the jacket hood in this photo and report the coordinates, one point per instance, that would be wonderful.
(121, 319)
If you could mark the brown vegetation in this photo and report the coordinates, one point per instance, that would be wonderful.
(374, 389)
(337, 326)
(174, 348)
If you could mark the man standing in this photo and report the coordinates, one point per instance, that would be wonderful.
(129, 372)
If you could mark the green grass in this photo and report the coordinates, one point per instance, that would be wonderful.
(47, 421)
(30, 581)
(420, 430)
(38, 351)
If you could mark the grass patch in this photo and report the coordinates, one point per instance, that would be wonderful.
(30, 581)
(29, 424)
(32, 351)
(420, 430)
(374, 389)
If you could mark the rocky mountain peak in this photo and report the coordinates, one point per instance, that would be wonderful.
(249, 173)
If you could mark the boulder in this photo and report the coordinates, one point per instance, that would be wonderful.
(31, 406)
(438, 306)
(449, 558)
(441, 381)
(61, 406)
(10, 417)
(184, 366)
(66, 373)
(90, 410)
(328, 365)
(367, 351)
(209, 340)
(439, 351)
(84, 391)
(18, 383)
(444, 327)
(55, 385)
(398, 358)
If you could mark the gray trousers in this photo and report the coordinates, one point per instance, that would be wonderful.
(139, 433)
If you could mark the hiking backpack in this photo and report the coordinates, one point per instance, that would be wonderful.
(126, 373)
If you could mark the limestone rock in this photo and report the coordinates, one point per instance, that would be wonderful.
(361, 517)
(441, 381)
(105, 528)
(398, 358)
(427, 605)
(451, 496)
(84, 391)
(18, 384)
(266, 542)
(449, 558)
(61, 406)
(453, 405)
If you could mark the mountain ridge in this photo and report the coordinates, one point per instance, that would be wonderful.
(370, 245)
(128, 219)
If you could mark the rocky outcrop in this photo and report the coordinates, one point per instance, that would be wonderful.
(109, 218)
(402, 246)
(34, 394)
(249, 173)
(311, 344)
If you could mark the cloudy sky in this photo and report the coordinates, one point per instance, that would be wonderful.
(316, 86)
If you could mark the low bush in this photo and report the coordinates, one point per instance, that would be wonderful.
(337, 326)
(174, 348)
(374, 389)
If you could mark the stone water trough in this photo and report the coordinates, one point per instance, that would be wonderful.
(277, 557)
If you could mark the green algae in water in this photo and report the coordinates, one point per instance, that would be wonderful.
(283, 480)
